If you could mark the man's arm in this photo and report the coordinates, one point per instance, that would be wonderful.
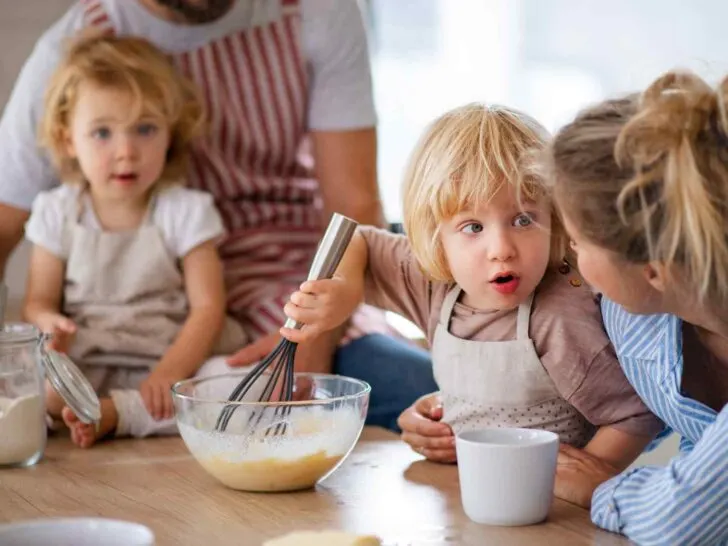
(346, 168)
(12, 221)
(340, 113)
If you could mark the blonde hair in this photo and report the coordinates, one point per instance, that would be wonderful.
(646, 177)
(132, 65)
(463, 158)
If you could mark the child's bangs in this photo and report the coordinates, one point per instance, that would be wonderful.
(463, 190)
(477, 177)
(148, 99)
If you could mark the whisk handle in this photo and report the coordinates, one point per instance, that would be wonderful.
(330, 252)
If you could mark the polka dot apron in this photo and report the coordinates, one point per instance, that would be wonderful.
(500, 383)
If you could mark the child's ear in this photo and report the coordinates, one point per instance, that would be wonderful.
(656, 274)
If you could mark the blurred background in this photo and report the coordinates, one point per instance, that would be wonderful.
(547, 57)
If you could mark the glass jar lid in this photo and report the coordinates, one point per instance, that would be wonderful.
(72, 385)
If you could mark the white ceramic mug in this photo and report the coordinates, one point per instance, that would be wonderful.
(75, 532)
(507, 474)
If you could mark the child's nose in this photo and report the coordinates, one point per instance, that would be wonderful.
(127, 147)
(500, 247)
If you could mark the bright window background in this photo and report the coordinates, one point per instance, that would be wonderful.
(547, 57)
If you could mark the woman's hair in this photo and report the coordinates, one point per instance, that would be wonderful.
(132, 65)
(461, 161)
(646, 177)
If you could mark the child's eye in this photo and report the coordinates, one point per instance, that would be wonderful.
(523, 220)
(101, 133)
(146, 129)
(473, 227)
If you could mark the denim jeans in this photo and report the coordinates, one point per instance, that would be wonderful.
(398, 372)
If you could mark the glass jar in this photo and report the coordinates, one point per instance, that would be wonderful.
(22, 396)
(24, 365)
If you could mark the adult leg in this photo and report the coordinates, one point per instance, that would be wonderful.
(398, 372)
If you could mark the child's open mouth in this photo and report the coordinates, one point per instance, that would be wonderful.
(126, 178)
(505, 283)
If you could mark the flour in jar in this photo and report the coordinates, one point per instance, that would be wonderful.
(22, 428)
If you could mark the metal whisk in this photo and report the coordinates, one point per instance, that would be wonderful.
(279, 363)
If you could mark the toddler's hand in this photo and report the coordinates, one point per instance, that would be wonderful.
(156, 391)
(424, 433)
(320, 306)
(61, 329)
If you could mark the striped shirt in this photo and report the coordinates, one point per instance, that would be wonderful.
(685, 502)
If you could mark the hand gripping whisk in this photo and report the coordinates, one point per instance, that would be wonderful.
(279, 363)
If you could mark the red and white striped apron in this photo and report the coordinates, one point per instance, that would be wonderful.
(253, 162)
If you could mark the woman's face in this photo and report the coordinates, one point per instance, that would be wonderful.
(636, 287)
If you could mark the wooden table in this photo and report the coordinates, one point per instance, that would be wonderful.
(382, 488)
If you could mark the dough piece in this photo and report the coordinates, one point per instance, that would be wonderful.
(323, 538)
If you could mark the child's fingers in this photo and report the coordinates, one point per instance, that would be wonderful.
(417, 441)
(159, 402)
(306, 301)
(54, 344)
(436, 413)
(304, 316)
(298, 336)
(439, 455)
(413, 422)
(145, 393)
(168, 404)
(429, 406)
(66, 325)
(149, 392)
(315, 287)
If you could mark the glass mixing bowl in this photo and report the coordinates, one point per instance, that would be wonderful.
(271, 446)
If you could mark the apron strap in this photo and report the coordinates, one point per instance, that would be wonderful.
(523, 319)
(447, 305)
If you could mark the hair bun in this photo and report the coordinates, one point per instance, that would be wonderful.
(676, 108)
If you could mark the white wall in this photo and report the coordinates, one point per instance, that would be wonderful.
(21, 22)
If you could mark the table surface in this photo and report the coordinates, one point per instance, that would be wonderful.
(383, 488)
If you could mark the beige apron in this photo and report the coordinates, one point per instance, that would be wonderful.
(500, 383)
(125, 292)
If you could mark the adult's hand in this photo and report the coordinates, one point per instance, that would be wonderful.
(578, 474)
(254, 352)
(423, 431)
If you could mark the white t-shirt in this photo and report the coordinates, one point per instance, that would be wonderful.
(333, 41)
(185, 217)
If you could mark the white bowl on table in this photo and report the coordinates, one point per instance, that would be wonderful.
(75, 532)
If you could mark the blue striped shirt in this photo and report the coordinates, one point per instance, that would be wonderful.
(685, 502)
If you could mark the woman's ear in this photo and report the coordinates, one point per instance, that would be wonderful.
(656, 275)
